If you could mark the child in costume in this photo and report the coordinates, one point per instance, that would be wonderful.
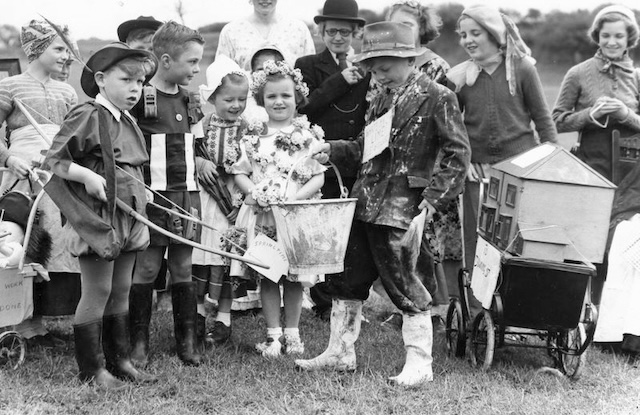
(227, 90)
(94, 138)
(170, 118)
(48, 101)
(269, 152)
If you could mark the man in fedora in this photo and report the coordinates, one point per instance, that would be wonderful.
(138, 33)
(408, 123)
(337, 104)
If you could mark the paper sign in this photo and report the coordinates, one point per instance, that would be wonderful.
(377, 136)
(16, 297)
(486, 269)
(270, 252)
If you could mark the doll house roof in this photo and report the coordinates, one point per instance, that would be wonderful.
(552, 163)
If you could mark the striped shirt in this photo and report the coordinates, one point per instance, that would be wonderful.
(170, 143)
(47, 102)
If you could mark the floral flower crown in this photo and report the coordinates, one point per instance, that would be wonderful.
(273, 68)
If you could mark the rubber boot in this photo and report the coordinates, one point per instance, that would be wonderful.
(201, 332)
(417, 333)
(183, 296)
(90, 357)
(346, 317)
(115, 342)
(140, 302)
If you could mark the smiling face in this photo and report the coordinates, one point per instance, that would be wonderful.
(613, 39)
(122, 84)
(182, 69)
(264, 7)
(476, 40)
(337, 43)
(389, 71)
(54, 57)
(280, 100)
(230, 99)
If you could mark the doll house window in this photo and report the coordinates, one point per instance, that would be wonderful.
(487, 218)
(494, 187)
(510, 196)
(503, 230)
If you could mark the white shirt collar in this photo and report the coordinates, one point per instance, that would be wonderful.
(115, 111)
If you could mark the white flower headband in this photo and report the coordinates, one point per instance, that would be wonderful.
(274, 68)
(411, 3)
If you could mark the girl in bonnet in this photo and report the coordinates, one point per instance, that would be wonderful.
(500, 93)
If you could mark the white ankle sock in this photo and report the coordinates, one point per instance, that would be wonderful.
(274, 332)
(201, 310)
(225, 318)
(292, 332)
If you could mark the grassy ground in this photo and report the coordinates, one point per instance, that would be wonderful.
(236, 380)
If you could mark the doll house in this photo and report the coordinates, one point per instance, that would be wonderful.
(547, 204)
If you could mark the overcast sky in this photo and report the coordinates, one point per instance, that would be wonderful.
(100, 18)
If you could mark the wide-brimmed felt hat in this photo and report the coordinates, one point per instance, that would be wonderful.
(388, 39)
(142, 22)
(340, 10)
(105, 58)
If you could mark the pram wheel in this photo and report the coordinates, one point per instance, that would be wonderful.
(483, 340)
(456, 334)
(12, 349)
(569, 345)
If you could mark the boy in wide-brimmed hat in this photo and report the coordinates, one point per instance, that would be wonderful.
(94, 138)
(337, 102)
(138, 33)
(409, 123)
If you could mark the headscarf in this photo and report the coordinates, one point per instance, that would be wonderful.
(505, 31)
(216, 72)
(36, 37)
(625, 63)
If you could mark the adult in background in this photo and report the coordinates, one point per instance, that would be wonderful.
(240, 38)
(337, 104)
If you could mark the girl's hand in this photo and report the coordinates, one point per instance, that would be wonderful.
(18, 166)
(249, 200)
(208, 173)
(609, 106)
(95, 186)
(321, 152)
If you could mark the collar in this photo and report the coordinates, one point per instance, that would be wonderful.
(115, 111)
(607, 65)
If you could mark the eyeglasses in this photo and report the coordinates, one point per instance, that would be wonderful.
(334, 32)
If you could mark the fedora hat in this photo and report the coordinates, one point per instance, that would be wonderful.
(106, 57)
(142, 22)
(340, 10)
(388, 39)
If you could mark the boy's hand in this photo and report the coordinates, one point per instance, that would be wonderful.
(352, 75)
(95, 185)
(430, 209)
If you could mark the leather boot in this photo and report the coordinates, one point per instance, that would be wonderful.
(140, 300)
(183, 296)
(346, 317)
(115, 342)
(90, 358)
(417, 334)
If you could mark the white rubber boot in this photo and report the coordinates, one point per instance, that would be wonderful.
(417, 333)
(346, 317)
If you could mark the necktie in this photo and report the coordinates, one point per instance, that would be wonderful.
(342, 61)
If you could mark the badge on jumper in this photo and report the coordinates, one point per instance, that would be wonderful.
(179, 117)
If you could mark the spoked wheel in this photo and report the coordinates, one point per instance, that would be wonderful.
(569, 344)
(456, 329)
(12, 349)
(483, 340)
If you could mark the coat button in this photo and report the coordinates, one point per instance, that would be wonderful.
(351, 122)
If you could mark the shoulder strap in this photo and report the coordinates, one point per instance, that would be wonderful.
(108, 159)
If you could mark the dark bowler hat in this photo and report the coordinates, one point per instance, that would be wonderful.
(340, 10)
(142, 22)
(104, 59)
(388, 39)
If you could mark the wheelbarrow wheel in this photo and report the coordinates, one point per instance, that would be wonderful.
(456, 333)
(483, 340)
(12, 349)
(569, 343)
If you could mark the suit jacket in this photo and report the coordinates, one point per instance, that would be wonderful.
(336, 106)
(390, 186)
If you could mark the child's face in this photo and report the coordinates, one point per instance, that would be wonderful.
(390, 72)
(280, 99)
(476, 41)
(403, 16)
(146, 43)
(230, 100)
(337, 43)
(54, 57)
(63, 76)
(183, 68)
(122, 89)
(262, 58)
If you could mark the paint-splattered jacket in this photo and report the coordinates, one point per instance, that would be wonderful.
(427, 120)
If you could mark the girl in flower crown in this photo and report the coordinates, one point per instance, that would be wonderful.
(268, 153)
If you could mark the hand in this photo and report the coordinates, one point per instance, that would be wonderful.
(352, 75)
(95, 186)
(208, 173)
(321, 152)
(18, 166)
(430, 209)
(149, 194)
(249, 200)
(609, 106)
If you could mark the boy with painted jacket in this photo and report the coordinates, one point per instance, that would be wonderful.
(170, 119)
